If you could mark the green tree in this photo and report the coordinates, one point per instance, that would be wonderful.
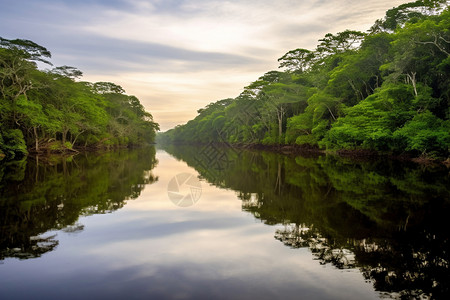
(54, 111)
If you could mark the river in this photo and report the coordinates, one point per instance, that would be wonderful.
(212, 223)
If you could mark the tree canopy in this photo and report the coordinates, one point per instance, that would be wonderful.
(50, 110)
(384, 90)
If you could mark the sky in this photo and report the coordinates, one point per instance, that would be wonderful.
(177, 56)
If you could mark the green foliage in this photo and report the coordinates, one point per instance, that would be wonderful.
(55, 146)
(389, 120)
(54, 112)
(68, 145)
(12, 143)
(425, 134)
(354, 91)
(413, 11)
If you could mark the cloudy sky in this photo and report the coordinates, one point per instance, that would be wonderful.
(178, 56)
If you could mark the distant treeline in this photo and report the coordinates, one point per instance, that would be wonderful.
(385, 90)
(51, 111)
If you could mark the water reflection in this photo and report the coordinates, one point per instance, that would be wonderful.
(40, 195)
(387, 218)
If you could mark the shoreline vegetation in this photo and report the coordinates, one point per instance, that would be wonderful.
(381, 92)
(51, 111)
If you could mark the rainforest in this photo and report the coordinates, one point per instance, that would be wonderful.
(49, 110)
(385, 90)
(96, 203)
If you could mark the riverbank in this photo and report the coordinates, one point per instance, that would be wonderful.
(62, 151)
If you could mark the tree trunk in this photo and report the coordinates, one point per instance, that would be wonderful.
(37, 170)
(64, 136)
(280, 115)
(36, 139)
(412, 78)
(280, 125)
(76, 137)
(331, 113)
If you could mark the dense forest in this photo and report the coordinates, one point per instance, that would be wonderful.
(52, 111)
(384, 90)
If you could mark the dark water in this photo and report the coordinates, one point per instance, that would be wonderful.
(193, 223)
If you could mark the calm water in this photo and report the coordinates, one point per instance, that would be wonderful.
(192, 223)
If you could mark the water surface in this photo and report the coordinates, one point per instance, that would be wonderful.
(260, 226)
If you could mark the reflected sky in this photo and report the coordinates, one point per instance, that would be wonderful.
(153, 249)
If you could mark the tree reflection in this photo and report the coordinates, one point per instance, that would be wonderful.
(300, 236)
(387, 218)
(38, 196)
